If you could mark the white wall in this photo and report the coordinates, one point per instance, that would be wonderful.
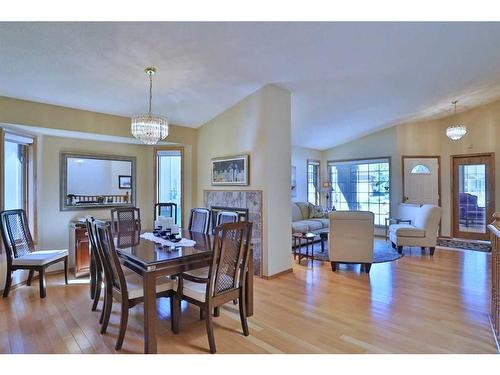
(260, 126)
(300, 155)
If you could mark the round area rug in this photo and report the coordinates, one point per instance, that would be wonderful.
(382, 252)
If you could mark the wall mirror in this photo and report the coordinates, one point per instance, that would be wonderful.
(95, 181)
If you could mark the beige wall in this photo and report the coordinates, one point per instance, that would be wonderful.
(428, 138)
(300, 155)
(260, 126)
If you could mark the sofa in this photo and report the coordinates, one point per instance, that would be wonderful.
(307, 217)
(422, 231)
(351, 238)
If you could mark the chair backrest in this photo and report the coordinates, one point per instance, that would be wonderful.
(125, 219)
(351, 236)
(16, 235)
(113, 271)
(428, 219)
(93, 245)
(230, 257)
(166, 209)
(225, 217)
(199, 220)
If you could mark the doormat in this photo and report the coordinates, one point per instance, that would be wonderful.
(483, 246)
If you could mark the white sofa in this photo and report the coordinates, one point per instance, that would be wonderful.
(351, 238)
(422, 231)
(304, 220)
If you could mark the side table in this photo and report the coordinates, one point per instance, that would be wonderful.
(308, 238)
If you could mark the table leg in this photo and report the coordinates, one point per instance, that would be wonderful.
(150, 314)
(249, 286)
(322, 238)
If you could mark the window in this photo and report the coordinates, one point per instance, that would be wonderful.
(169, 178)
(19, 176)
(420, 169)
(361, 185)
(313, 181)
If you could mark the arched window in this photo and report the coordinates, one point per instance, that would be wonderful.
(420, 169)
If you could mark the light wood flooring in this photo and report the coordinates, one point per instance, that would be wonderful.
(417, 304)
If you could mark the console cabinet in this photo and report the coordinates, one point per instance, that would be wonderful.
(80, 249)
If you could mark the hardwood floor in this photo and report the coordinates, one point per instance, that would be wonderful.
(418, 304)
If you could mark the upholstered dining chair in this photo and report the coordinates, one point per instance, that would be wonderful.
(166, 209)
(126, 288)
(199, 220)
(224, 282)
(126, 219)
(21, 254)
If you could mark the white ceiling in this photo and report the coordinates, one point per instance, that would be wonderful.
(346, 79)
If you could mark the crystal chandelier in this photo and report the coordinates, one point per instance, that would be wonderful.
(149, 128)
(455, 132)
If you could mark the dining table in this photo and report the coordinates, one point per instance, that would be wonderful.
(152, 260)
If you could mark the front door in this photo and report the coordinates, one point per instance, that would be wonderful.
(473, 195)
(421, 180)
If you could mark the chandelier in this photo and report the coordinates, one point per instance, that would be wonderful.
(455, 132)
(149, 128)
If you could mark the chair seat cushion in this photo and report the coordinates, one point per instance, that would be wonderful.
(135, 289)
(199, 272)
(39, 258)
(191, 289)
(406, 230)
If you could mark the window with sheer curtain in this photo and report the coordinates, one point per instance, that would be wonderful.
(361, 185)
(313, 181)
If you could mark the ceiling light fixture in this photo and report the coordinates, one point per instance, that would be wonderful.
(149, 128)
(455, 132)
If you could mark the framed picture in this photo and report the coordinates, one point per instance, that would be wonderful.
(230, 170)
(124, 182)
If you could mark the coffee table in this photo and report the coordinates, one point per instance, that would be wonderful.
(308, 238)
(323, 236)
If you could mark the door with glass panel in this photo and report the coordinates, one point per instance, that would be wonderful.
(169, 178)
(473, 195)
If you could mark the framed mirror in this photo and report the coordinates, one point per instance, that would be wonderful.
(96, 181)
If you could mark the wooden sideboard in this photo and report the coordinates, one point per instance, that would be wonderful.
(495, 274)
(79, 249)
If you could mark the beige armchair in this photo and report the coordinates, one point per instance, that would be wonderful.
(422, 231)
(351, 238)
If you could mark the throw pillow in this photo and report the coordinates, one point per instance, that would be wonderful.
(317, 212)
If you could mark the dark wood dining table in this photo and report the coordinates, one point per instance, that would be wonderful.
(152, 260)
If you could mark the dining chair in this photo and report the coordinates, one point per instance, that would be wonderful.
(199, 220)
(224, 217)
(126, 219)
(21, 254)
(126, 288)
(224, 282)
(166, 209)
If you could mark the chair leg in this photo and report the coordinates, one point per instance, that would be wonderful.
(104, 302)
(235, 301)
(217, 311)
(368, 266)
(176, 315)
(202, 313)
(210, 330)
(400, 249)
(8, 283)
(243, 313)
(334, 266)
(66, 270)
(107, 311)
(41, 276)
(30, 277)
(123, 325)
(393, 245)
(97, 294)
(431, 250)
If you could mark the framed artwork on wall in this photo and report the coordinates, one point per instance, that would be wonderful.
(230, 170)
(124, 182)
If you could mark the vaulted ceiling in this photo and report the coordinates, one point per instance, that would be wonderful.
(346, 79)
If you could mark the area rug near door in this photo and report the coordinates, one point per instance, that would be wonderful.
(464, 244)
(382, 252)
